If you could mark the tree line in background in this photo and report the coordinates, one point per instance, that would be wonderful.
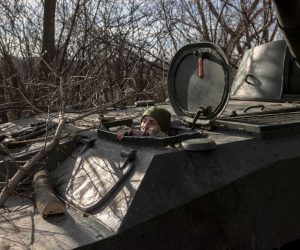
(102, 49)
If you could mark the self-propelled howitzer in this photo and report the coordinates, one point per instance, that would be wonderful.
(226, 177)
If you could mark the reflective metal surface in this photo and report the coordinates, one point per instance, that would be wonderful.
(261, 73)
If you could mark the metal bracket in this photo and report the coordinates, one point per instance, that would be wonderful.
(201, 111)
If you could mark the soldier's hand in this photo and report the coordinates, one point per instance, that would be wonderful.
(121, 133)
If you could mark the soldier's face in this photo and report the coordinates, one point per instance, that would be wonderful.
(149, 123)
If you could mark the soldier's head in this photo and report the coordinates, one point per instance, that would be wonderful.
(156, 118)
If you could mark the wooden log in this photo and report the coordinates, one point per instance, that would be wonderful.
(44, 197)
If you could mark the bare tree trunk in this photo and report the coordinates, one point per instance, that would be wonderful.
(48, 46)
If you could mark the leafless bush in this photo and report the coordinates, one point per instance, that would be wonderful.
(102, 48)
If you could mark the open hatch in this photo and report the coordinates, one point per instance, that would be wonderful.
(267, 75)
(198, 86)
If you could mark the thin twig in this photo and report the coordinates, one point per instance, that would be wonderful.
(47, 122)
(24, 97)
(219, 18)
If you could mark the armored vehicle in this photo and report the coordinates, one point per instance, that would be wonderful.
(226, 177)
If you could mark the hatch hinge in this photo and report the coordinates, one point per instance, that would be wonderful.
(202, 111)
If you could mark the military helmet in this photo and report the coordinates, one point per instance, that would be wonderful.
(161, 115)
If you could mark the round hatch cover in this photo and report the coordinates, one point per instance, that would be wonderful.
(198, 82)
